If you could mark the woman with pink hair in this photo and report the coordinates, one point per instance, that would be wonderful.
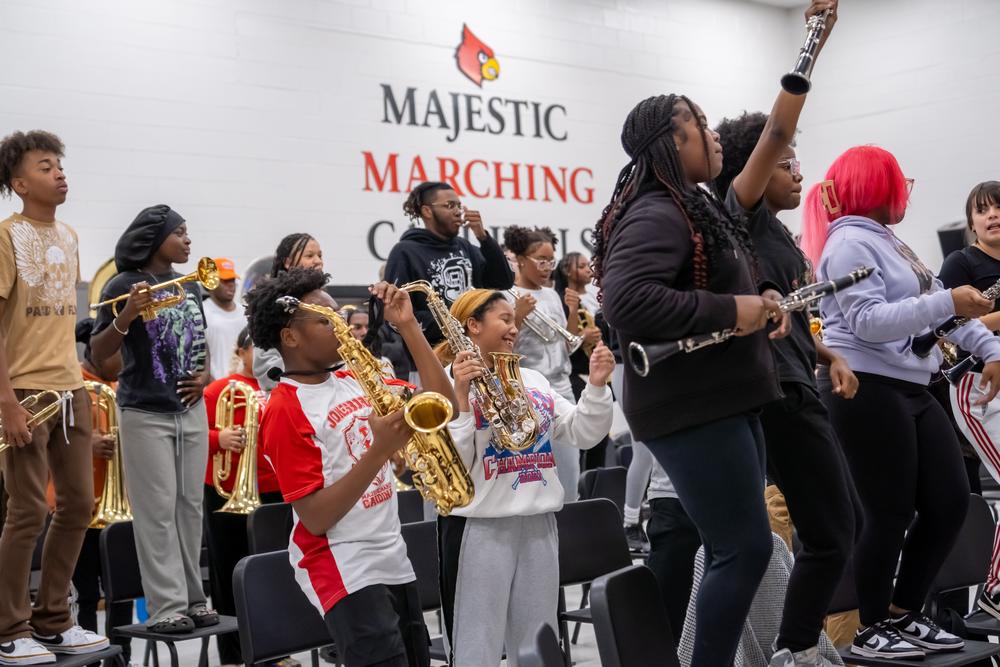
(898, 441)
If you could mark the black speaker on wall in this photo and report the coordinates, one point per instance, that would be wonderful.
(952, 237)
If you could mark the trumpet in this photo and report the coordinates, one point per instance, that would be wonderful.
(797, 81)
(924, 343)
(207, 274)
(42, 415)
(548, 329)
(643, 357)
(113, 505)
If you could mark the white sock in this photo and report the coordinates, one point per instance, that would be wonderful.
(631, 515)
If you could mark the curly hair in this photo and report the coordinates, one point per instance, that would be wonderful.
(14, 146)
(520, 239)
(647, 139)
(265, 316)
(738, 137)
(290, 249)
(419, 196)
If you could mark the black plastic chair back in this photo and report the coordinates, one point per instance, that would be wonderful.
(422, 550)
(969, 559)
(268, 528)
(630, 619)
(275, 617)
(543, 651)
(605, 483)
(411, 506)
(120, 576)
(624, 456)
(591, 541)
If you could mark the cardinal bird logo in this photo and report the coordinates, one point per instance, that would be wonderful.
(475, 59)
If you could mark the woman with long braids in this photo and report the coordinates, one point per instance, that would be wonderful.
(298, 250)
(671, 263)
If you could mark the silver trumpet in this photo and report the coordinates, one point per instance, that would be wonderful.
(548, 329)
(797, 81)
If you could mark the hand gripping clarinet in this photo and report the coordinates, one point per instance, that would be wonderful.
(923, 344)
(643, 357)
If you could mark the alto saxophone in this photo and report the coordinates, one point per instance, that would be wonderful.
(245, 497)
(438, 471)
(113, 505)
(499, 393)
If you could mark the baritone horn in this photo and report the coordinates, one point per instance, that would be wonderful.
(797, 81)
(113, 505)
(206, 274)
(245, 497)
(43, 414)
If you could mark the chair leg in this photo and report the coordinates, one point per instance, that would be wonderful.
(583, 605)
(173, 654)
(147, 653)
(203, 659)
(564, 630)
(315, 657)
(156, 652)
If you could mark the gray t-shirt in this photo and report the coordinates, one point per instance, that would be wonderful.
(660, 485)
(551, 358)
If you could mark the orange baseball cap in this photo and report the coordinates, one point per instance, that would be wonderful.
(226, 267)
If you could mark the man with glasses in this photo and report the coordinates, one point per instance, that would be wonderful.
(437, 253)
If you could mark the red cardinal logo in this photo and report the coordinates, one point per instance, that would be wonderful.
(475, 59)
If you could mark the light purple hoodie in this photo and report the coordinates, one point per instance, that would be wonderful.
(872, 323)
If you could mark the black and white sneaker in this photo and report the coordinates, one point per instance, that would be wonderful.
(25, 651)
(882, 640)
(74, 641)
(637, 540)
(921, 631)
(990, 604)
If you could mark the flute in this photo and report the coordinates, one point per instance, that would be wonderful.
(643, 357)
(924, 343)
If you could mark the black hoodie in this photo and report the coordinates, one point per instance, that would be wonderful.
(451, 266)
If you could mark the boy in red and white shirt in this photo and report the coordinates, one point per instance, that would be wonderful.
(331, 456)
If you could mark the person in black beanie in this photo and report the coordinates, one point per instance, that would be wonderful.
(163, 423)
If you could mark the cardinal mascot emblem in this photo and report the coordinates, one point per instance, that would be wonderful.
(475, 59)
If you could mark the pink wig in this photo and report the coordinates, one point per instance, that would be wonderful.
(864, 178)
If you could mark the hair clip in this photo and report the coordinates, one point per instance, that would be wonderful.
(829, 196)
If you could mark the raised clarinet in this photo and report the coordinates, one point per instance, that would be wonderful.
(643, 357)
(797, 81)
(924, 343)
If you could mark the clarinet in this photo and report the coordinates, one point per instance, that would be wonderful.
(643, 357)
(797, 81)
(924, 343)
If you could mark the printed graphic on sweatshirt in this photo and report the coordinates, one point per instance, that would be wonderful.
(46, 260)
(351, 419)
(924, 276)
(450, 275)
(177, 341)
(527, 465)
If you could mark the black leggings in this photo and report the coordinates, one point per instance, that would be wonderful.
(806, 463)
(904, 458)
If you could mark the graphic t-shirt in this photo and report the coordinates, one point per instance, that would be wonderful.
(158, 353)
(39, 269)
(313, 435)
(525, 483)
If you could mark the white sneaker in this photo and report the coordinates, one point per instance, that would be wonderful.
(25, 651)
(74, 641)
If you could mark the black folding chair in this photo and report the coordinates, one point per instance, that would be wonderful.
(422, 550)
(122, 583)
(543, 652)
(410, 506)
(630, 619)
(112, 655)
(605, 483)
(275, 617)
(591, 543)
(268, 528)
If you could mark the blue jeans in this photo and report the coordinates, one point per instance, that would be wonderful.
(718, 471)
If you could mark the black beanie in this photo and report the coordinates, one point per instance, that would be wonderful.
(144, 236)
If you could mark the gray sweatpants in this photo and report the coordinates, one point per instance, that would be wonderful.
(165, 457)
(507, 586)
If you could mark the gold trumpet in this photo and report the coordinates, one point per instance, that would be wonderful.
(245, 497)
(44, 414)
(113, 505)
(207, 274)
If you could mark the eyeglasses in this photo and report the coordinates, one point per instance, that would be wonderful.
(792, 165)
(450, 206)
(909, 185)
(543, 264)
(310, 318)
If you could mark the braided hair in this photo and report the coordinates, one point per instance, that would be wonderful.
(647, 138)
(419, 196)
(289, 250)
